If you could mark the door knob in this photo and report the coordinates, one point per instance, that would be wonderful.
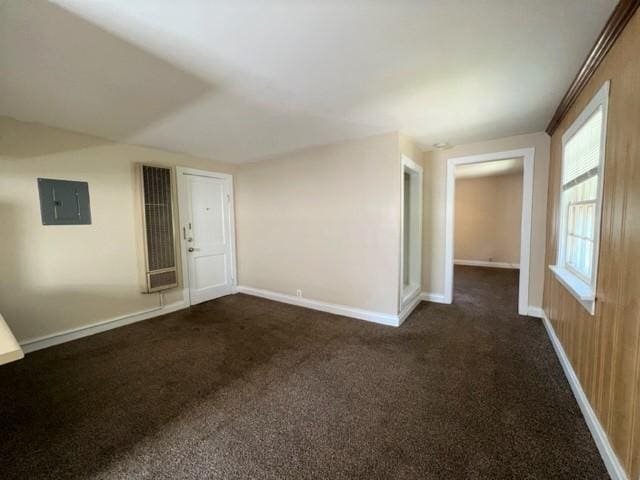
(191, 249)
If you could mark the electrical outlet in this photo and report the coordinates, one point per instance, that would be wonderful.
(298, 293)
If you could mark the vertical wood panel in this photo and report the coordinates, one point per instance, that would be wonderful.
(605, 349)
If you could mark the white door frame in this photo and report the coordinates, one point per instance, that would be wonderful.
(182, 209)
(415, 170)
(525, 230)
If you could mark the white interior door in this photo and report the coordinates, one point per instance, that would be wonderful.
(207, 234)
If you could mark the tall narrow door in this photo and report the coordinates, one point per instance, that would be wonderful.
(207, 235)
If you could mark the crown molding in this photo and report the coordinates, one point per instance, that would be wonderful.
(608, 36)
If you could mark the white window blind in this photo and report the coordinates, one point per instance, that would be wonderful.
(582, 151)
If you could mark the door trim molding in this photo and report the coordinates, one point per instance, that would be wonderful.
(406, 297)
(182, 208)
(528, 155)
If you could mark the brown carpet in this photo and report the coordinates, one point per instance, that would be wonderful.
(242, 387)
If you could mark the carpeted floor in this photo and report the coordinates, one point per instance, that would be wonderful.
(245, 388)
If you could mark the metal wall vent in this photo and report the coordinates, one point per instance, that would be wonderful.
(159, 238)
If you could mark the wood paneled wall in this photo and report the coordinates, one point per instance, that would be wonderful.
(605, 349)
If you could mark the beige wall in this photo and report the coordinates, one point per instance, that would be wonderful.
(435, 200)
(62, 277)
(487, 218)
(410, 148)
(325, 220)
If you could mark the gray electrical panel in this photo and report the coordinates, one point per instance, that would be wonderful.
(64, 202)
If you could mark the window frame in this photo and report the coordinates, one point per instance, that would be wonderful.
(584, 290)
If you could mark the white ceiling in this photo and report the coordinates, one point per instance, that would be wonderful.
(488, 169)
(240, 80)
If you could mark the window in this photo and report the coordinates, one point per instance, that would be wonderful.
(583, 147)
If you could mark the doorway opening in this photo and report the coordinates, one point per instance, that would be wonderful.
(488, 218)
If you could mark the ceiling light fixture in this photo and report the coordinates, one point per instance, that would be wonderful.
(442, 145)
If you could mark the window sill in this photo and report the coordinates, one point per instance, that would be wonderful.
(580, 290)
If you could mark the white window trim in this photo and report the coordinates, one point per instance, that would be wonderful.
(583, 291)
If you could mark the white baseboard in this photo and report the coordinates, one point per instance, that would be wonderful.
(599, 435)
(433, 297)
(481, 263)
(33, 344)
(368, 315)
(535, 312)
